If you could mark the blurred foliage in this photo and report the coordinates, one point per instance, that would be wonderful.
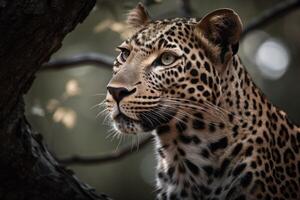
(59, 103)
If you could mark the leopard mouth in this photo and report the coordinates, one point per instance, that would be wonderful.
(121, 118)
(148, 121)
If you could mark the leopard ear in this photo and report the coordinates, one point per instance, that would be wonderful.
(221, 31)
(138, 17)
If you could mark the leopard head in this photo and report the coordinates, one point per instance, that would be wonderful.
(168, 64)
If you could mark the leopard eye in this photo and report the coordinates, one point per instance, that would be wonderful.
(167, 59)
(124, 54)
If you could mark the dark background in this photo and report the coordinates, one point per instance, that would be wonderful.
(59, 104)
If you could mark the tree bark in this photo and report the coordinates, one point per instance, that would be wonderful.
(30, 31)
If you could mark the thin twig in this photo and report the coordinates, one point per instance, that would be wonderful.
(106, 157)
(185, 8)
(151, 2)
(96, 59)
(270, 15)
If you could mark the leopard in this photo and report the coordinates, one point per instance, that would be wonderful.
(216, 135)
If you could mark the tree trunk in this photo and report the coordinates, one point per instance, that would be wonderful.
(30, 31)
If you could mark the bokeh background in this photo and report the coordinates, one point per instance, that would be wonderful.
(61, 103)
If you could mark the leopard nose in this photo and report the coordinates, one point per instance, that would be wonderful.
(118, 93)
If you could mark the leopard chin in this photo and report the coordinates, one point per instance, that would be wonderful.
(126, 125)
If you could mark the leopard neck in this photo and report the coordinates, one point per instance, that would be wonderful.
(209, 140)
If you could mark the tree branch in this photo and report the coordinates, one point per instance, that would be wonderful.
(106, 157)
(96, 59)
(271, 14)
(185, 8)
(31, 31)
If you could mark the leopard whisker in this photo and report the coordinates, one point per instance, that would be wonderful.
(184, 106)
(174, 103)
(111, 132)
(164, 117)
(106, 119)
(147, 117)
(184, 114)
(99, 94)
(210, 105)
(102, 112)
(206, 108)
(205, 104)
(98, 104)
(181, 114)
(120, 137)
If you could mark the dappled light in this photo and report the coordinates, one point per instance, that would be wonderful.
(66, 116)
(272, 59)
(72, 88)
(119, 27)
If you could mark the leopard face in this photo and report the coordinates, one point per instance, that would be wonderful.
(164, 65)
